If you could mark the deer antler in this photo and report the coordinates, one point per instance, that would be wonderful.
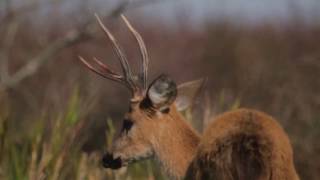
(127, 78)
(143, 51)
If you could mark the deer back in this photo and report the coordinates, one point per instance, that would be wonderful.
(243, 144)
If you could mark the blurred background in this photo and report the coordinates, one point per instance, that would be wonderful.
(57, 118)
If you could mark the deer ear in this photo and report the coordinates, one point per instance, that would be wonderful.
(162, 92)
(187, 93)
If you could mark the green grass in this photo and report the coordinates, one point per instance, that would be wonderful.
(52, 150)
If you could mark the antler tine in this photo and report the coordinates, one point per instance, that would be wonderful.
(143, 50)
(123, 60)
(105, 67)
(110, 74)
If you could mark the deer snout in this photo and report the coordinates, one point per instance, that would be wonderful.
(109, 161)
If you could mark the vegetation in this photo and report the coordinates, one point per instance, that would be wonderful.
(54, 151)
(58, 121)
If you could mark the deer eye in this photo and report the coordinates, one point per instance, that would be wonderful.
(127, 124)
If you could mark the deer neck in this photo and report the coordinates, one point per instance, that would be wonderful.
(176, 145)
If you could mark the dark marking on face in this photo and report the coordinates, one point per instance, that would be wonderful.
(165, 111)
(145, 104)
(127, 125)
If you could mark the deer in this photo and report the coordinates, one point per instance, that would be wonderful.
(242, 144)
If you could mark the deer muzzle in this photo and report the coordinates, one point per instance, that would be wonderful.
(109, 161)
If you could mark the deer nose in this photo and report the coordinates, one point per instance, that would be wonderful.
(108, 161)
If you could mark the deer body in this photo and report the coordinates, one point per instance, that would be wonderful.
(242, 144)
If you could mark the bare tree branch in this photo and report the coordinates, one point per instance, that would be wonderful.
(70, 39)
(7, 43)
(33, 64)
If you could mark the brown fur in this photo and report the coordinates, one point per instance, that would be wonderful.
(243, 144)
(176, 152)
(165, 135)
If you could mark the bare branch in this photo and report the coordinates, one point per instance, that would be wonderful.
(70, 39)
(33, 64)
(7, 43)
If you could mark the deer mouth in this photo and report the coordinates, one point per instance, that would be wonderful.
(111, 161)
(108, 161)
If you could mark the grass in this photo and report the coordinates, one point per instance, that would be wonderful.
(54, 151)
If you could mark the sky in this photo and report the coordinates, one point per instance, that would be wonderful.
(199, 11)
(251, 11)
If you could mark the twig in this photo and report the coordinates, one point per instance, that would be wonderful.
(33, 64)
(70, 39)
(7, 43)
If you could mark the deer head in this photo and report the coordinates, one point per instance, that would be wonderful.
(153, 119)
